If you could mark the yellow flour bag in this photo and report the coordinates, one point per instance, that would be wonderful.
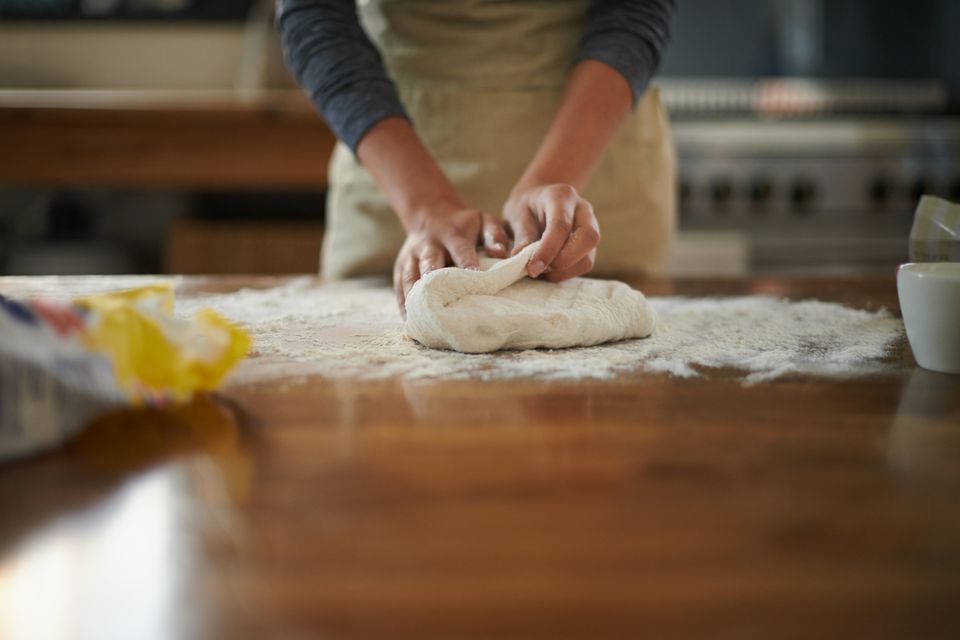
(63, 364)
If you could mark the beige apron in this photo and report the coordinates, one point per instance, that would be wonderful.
(481, 80)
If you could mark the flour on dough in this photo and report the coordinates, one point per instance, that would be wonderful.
(500, 307)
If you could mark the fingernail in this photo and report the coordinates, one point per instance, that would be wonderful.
(536, 267)
(498, 247)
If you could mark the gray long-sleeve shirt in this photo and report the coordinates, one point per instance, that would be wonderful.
(336, 63)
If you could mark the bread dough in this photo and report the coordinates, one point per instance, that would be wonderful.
(499, 307)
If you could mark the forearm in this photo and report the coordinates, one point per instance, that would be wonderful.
(441, 229)
(597, 101)
(621, 48)
(406, 173)
(335, 62)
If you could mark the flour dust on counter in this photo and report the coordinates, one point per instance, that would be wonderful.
(353, 330)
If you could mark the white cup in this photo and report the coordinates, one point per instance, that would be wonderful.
(930, 303)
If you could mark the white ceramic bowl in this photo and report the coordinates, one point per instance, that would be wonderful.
(930, 303)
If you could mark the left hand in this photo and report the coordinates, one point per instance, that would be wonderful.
(563, 220)
(445, 234)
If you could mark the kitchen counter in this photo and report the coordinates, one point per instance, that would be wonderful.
(164, 139)
(644, 506)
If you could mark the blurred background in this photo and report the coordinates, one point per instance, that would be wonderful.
(150, 136)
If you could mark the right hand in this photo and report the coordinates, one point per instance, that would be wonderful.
(443, 238)
(564, 223)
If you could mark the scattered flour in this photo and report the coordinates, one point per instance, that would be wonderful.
(353, 330)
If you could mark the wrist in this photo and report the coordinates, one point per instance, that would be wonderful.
(529, 186)
(527, 183)
(407, 174)
(420, 212)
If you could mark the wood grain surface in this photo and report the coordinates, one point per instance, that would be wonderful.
(641, 507)
(185, 139)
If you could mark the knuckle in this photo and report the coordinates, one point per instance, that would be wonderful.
(462, 227)
(529, 226)
(561, 226)
(591, 235)
(563, 191)
(489, 220)
(472, 219)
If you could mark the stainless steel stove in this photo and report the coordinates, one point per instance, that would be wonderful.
(810, 186)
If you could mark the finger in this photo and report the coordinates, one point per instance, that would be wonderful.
(495, 239)
(463, 253)
(583, 240)
(557, 209)
(398, 283)
(432, 257)
(526, 231)
(409, 274)
(575, 270)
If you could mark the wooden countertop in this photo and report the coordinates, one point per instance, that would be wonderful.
(642, 507)
(168, 139)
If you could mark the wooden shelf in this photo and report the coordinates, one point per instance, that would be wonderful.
(180, 139)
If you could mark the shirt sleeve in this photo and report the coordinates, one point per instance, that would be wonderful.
(628, 35)
(333, 59)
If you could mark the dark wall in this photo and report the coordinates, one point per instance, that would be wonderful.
(731, 38)
(861, 38)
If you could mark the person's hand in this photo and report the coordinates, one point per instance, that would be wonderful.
(443, 238)
(564, 221)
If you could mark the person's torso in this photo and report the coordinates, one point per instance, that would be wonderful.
(481, 80)
(480, 44)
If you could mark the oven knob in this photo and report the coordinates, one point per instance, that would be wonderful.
(802, 195)
(760, 191)
(919, 188)
(721, 191)
(880, 190)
